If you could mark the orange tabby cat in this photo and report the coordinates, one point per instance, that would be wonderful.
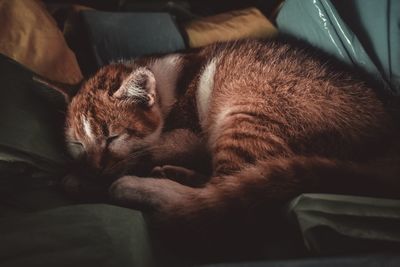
(276, 121)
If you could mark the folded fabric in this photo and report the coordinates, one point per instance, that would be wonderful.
(31, 126)
(234, 25)
(30, 35)
(332, 224)
(368, 260)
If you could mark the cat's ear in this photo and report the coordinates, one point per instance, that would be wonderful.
(139, 86)
(67, 91)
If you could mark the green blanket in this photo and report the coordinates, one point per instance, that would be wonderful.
(79, 235)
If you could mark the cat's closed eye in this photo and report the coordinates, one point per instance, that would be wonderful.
(112, 138)
(135, 133)
(76, 149)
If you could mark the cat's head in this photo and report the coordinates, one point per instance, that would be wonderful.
(113, 118)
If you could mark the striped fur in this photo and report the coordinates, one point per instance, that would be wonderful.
(276, 120)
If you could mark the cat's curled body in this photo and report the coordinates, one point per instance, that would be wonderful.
(275, 119)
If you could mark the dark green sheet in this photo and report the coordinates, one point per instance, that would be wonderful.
(77, 235)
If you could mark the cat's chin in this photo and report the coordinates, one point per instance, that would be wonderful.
(90, 187)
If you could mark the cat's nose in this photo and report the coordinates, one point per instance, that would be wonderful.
(92, 170)
(100, 173)
(97, 170)
(94, 167)
(94, 164)
(103, 168)
(87, 170)
(102, 164)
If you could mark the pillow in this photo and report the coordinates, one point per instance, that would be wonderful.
(117, 35)
(30, 36)
(239, 24)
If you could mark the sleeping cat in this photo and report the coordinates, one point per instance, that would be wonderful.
(271, 119)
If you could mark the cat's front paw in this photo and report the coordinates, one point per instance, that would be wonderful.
(161, 197)
(158, 172)
(128, 191)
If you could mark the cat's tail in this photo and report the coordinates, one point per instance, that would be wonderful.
(265, 183)
(282, 179)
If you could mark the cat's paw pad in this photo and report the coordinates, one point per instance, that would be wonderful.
(172, 172)
(178, 174)
(158, 172)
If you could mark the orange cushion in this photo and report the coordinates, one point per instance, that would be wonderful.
(239, 24)
(29, 35)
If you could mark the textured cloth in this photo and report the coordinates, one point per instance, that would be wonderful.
(78, 235)
(333, 224)
(30, 122)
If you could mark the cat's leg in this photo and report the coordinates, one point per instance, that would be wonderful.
(182, 156)
(244, 139)
(162, 197)
(179, 147)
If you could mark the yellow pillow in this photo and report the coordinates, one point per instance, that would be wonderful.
(239, 24)
(29, 35)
